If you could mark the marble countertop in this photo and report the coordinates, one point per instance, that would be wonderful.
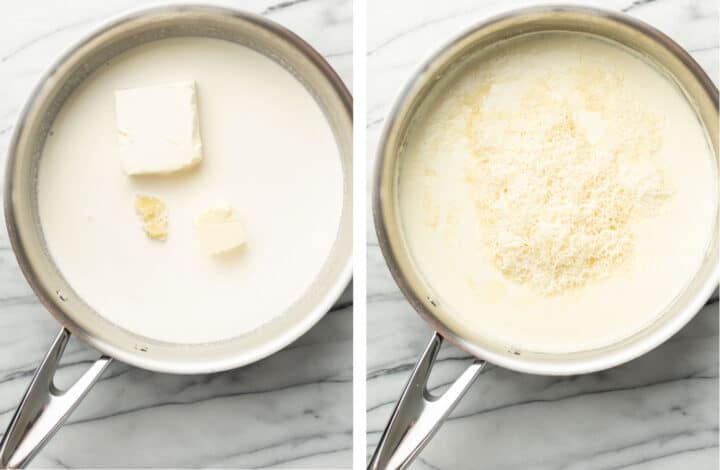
(293, 409)
(659, 412)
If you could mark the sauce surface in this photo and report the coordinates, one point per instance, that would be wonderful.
(593, 110)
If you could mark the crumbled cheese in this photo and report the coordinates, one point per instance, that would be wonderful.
(152, 212)
(558, 177)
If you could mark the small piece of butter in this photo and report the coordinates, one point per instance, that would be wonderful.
(219, 231)
(158, 128)
(152, 212)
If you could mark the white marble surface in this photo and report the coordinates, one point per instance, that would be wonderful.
(659, 412)
(293, 409)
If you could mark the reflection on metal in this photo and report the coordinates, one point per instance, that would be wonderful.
(418, 414)
(44, 408)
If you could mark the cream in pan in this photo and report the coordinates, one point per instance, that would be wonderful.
(268, 152)
(556, 192)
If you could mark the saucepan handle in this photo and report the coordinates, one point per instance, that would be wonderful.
(419, 414)
(44, 408)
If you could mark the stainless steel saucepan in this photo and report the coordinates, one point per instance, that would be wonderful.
(418, 414)
(44, 407)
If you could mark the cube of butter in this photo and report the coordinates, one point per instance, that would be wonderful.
(158, 128)
(218, 231)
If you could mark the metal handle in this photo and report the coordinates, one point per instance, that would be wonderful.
(418, 414)
(44, 407)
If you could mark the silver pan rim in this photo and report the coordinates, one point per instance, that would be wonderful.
(505, 356)
(45, 293)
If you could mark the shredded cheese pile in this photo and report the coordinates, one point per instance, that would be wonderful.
(559, 176)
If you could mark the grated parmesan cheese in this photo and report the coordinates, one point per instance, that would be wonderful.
(559, 175)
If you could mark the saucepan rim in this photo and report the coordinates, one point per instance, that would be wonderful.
(45, 293)
(389, 234)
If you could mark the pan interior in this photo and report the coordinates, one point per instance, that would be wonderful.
(442, 69)
(65, 77)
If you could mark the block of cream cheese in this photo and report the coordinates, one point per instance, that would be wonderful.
(158, 128)
(219, 231)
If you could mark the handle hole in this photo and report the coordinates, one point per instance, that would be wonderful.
(73, 364)
(449, 364)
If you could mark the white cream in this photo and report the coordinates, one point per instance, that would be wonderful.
(447, 238)
(269, 153)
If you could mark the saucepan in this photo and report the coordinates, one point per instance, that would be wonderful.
(44, 407)
(418, 414)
